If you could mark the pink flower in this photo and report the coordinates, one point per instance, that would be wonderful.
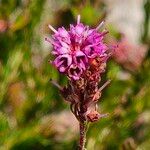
(81, 54)
(62, 62)
(75, 71)
(74, 48)
(128, 55)
(80, 59)
(3, 26)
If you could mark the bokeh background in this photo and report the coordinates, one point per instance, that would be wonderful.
(33, 115)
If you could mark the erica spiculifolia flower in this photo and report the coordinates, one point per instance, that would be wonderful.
(81, 54)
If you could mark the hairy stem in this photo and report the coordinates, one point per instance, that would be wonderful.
(83, 130)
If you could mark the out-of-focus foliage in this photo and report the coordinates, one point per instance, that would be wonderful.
(32, 112)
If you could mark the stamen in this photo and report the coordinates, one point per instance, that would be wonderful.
(56, 84)
(96, 107)
(100, 89)
(48, 40)
(51, 41)
(55, 31)
(72, 108)
(100, 25)
(104, 33)
(78, 19)
(103, 115)
(104, 85)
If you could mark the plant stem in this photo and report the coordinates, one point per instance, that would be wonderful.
(83, 129)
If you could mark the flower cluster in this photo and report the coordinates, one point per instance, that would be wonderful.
(75, 49)
(81, 54)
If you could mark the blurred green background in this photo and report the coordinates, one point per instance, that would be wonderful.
(33, 115)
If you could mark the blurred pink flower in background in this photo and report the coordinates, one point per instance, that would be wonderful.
(129, 55)
(3, 26)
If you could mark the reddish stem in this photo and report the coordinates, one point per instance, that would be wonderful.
(83, 129)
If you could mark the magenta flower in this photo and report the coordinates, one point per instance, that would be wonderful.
(62, 62)
(74, 71)
(74, 48)
(81, 54)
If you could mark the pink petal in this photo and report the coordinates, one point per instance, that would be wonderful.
(74, 72)
(62, 62)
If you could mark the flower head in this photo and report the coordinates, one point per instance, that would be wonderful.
(74, 48)
(81, 54)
